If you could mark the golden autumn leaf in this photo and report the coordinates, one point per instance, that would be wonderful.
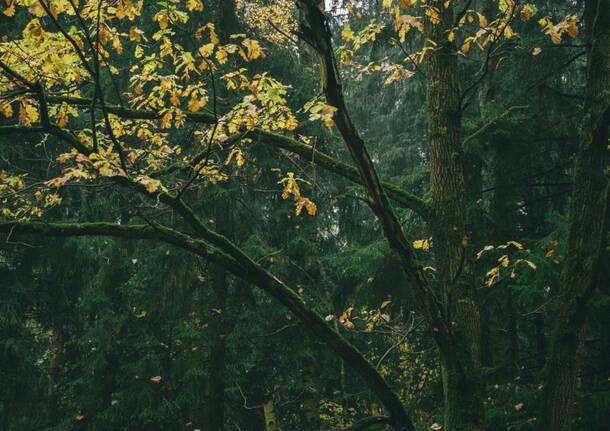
(150, 184)
(10, 10)
(6, 109)
(206, 50)
(28, 113)
(194, 5)
(253, 49)
(527, 12)
(422, 244)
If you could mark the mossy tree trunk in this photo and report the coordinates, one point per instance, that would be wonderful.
(587, 227)
(461, 365)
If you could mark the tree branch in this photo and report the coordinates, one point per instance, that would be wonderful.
(414, 203)
(318, 31)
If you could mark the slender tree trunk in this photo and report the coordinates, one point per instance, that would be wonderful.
(216, 380)
(587, 228)
(311, 386)
(228, 23)
(271, 423)
(461, 368)
(218, 329)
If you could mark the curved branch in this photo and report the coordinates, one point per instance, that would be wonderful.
(143, 232)
(242, 267)
(318, 31)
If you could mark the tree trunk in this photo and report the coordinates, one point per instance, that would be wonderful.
(218, 329)
(461, 366)
(227, 24)
(311, 386)
(587, 228)
(271, 423)
(216, 381)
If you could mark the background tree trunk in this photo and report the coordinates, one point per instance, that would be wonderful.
(587, 228)
(219, 330)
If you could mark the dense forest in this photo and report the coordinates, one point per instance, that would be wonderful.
(308, 215)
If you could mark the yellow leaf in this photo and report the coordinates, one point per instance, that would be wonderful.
(344, 318)
(7, 110)
(239, 157)
(527, 12)
(503, 5)
(291, 123)
(155, 379)
(174, 99)
(311, 208)
(150, 184)
(421, 244)
(536, 51)
(572, 26)
(162, 19)
(61, 117)
(135, 34)
(139, 52)
(253, 48)
(10, 10)
(206, 50)
(28, 113)
(516, 244)
(543, 22)
(451, 36)
(347, 34)
(222, 56)
(194, 5)
(384, 304)
(493, 275)
(166, 120)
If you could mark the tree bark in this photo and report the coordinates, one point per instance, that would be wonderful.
(461, 367)
(271, 423)
(587, 228)
(311, 386)
(218, 329)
